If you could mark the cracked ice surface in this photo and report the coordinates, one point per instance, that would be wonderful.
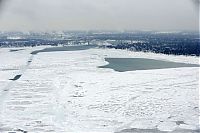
(66, 91)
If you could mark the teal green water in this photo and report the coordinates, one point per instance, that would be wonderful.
(132, 64)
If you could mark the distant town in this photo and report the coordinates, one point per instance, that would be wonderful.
(176, 43)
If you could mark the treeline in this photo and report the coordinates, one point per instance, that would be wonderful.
(29, 42)
(177, 44)
(176, 49)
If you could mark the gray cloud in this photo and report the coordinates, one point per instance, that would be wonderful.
(1, 2)
(99, 14)
(196, 4)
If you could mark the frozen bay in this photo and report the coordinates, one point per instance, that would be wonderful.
(66, 91)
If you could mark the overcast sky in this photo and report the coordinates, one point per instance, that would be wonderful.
(47, 15)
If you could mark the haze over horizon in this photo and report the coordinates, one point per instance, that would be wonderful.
(46, 15)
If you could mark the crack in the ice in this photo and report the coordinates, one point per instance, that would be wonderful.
(16, 77)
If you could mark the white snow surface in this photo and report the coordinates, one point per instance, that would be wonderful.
(67, 92)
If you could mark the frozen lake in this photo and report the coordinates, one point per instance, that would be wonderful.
(66, 91)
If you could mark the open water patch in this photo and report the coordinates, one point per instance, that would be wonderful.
(132, 64)
(16, 77)
(64, 48)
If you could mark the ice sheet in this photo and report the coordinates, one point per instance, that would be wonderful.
(67, 92)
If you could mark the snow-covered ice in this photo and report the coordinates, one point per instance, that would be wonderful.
(67, 92)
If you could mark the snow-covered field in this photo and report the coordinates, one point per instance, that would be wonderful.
(67, 92)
